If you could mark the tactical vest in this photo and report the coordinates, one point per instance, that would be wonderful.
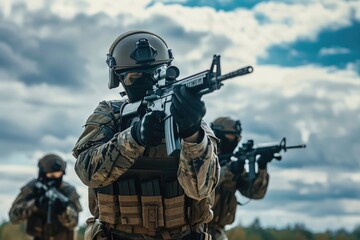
(225, 205)
(148, 199)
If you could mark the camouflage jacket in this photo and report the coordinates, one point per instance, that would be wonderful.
(24, 208)
(105, 152)
(225, 199)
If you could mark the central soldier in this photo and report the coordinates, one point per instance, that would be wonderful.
(137, 191)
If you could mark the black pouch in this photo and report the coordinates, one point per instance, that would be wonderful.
(152, 206)
(174, 204)
(130, 211)
(108, 205)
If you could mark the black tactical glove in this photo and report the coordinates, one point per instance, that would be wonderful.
(236, 167)
(149, 131)
(187, 110)
(264, 159)
(60, 204)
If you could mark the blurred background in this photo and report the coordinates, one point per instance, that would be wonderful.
(305, 87)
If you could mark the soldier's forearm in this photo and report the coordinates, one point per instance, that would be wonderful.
(103, 164)
(198, 168)
(21, 211)
(15, 216)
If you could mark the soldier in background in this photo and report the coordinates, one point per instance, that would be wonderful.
(32, 204)
(136, 191)
(233, 177)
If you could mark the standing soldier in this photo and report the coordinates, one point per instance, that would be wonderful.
(137, 191)
(50, 205)
(233, 177)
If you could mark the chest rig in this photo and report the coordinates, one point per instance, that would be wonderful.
(147, 199)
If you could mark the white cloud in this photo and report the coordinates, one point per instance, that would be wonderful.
(249, 35)
(54, 142)
(333, 51)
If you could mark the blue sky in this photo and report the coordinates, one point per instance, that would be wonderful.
(305, 87)
(223, 5)
(227, 5)
(335, 48)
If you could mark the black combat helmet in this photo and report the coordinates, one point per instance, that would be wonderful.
(130, 56)
(228, 130)
(51, 163)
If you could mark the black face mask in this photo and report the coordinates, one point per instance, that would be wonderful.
(137, 90)
(227, 146)
(52, 181)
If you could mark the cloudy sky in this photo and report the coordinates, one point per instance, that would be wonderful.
(305, 87)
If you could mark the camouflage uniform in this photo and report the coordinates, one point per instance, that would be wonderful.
(24, 208)
(107, 155)
(225, 199)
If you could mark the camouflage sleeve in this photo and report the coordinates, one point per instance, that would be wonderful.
(103, 154)
(257, 189)
(199, 167)
(23, 206)
(70, 217)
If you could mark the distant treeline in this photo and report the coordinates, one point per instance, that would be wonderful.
(252, 232)
(297, 232)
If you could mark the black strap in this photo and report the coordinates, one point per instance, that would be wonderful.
(192, 236)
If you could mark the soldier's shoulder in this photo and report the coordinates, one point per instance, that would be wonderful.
(67, 187)
(105, 112)
(113, 106)
(70, 191)
(29, 185)
(100, 126)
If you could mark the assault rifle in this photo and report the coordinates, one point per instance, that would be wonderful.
(52, 195)
(248, 152)
(159, 98)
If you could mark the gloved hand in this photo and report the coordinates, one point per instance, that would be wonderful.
(187, 110)
(264, 159)
(149, 131)
(61, 204)
(236, 167)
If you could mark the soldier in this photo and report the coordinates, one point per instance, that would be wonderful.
(233, 177)
(50, 205)
(136, 191)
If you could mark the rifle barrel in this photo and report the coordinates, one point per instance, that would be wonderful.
(239, 72)
(297, 146)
